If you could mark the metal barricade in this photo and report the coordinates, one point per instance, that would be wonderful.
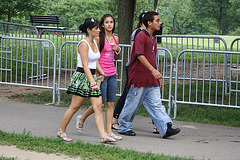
(202, 81)
(28, 62)
(18, 30)
(67, 65)
(235, 45)
(176, 43)
(58, 37)
(165, 67)
(121, 66)
(234, 67)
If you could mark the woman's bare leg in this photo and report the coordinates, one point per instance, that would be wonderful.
(73, 108)
(98, 115)
(109, 117)
(87, 113)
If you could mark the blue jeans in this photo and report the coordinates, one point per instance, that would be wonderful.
(109, 88)
(151, 99)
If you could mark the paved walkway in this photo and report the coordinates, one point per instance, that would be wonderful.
(196, 140)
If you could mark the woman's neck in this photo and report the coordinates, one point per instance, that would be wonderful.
(108, 34)
(89, 38)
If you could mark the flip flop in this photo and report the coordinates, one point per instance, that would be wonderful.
(64, 137)
(108, 139)
(114, 127)
(155, 130)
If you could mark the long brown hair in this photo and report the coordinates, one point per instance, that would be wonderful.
(102, 30)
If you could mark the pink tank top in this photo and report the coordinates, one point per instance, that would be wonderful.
(106, 60)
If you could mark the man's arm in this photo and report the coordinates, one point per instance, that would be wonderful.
(145, 62)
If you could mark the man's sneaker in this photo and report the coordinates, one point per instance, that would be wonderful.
(171, 131)
(79, 125)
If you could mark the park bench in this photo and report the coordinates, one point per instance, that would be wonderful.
(46, 19)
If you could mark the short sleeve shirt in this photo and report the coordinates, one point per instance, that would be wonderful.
(138, 74)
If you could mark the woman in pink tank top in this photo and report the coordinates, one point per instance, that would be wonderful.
(109, 52)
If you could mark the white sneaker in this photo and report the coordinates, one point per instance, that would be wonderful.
(79, 125)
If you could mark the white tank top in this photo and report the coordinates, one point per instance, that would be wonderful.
(92, 57)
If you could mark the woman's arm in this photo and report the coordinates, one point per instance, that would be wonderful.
(100, 73)
(117, 49)
(99, 69)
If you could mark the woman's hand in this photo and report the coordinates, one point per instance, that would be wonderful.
(99, 82)
(116, 48)
(95, 88)
(101, 78)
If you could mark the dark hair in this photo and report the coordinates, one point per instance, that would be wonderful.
(140, 19)
(102, 30)
(88, 23)
(141, 16)
(149, 17)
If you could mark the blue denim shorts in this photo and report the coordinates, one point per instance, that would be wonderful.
(109, 89)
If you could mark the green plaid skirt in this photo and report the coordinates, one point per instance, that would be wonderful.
(80, 86)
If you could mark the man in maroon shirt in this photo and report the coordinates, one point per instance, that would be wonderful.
(144, 84)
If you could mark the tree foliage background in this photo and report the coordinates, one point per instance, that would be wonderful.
(179, 16)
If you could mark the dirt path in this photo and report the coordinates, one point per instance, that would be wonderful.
(13, 152)
(9, 90)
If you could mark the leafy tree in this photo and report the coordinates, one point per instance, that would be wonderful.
(175, 14)
(112, 6)
(214, 9)
(19, 8)
(73, 12)
(234, 17)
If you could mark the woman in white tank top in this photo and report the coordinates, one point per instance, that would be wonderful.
(84, 82)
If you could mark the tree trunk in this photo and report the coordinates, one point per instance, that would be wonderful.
(220, 22)
(9, 15)
(155, 5)
(9, 19)
(126, 10)
(174, 27)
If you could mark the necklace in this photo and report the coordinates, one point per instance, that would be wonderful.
(152, 40)
(108, 40)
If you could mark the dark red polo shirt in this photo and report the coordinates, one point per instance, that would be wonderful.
(138, 74)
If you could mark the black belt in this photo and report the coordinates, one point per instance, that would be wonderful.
(79, 69)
